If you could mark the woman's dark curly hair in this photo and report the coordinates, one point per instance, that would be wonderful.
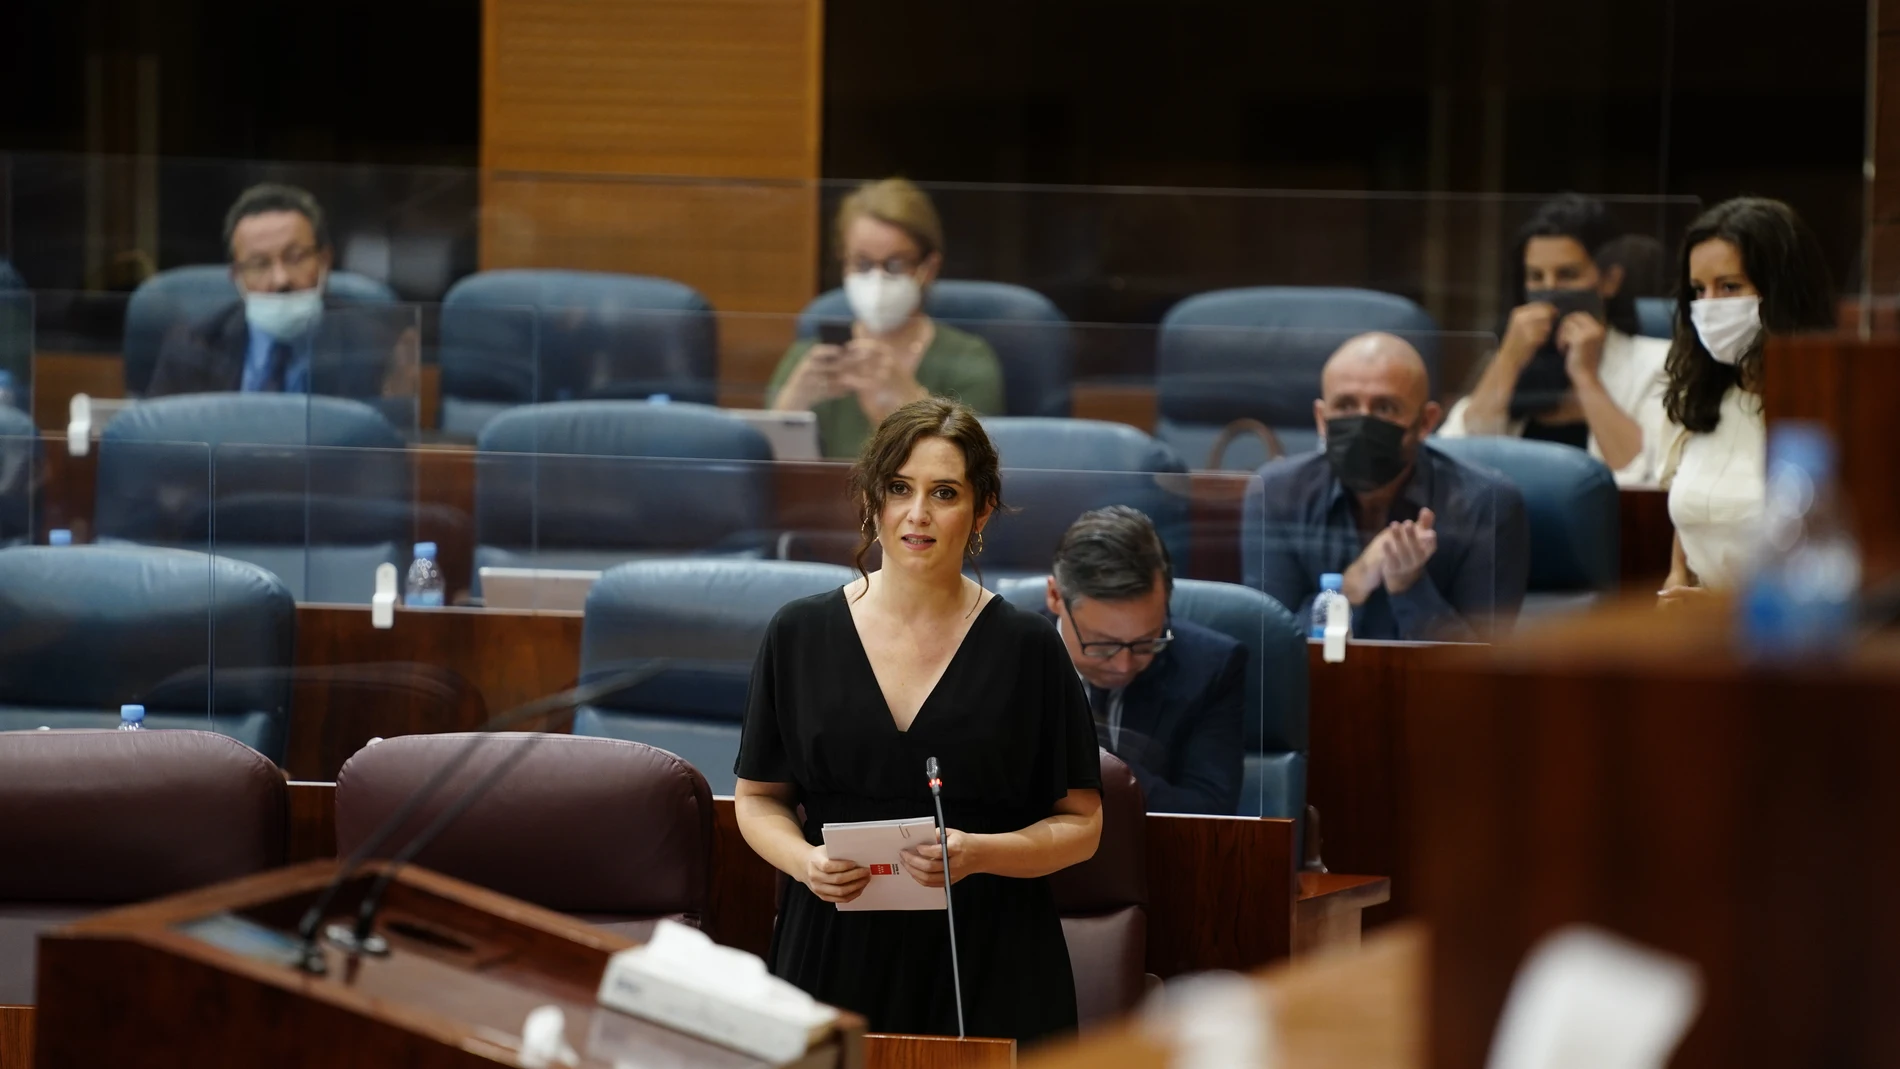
(1783, 258)
(890, 447)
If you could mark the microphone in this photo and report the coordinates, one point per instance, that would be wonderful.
(949, 905)
(359, 938)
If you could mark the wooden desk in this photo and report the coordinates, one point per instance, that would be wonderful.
(16, 1037)
(1645, 535)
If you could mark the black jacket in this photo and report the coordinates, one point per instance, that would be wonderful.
(353, 354)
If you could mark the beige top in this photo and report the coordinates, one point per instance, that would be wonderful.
(1717, 482)
(1632, 374)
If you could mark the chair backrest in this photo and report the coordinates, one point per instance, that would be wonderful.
(622, 476)
(1030, 336)
(1275, 710)
(19, 456)
(1570, 500)
(520, 336)
(615, 831)
(1056, 469)
(187, 295)
(1104, 903)
(1256, 353)
(707, 618)
(1656, 317)
(85, 629)
(315, 488)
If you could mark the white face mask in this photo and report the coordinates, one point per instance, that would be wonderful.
(881, 302)
(1726, 325)
(285, 316)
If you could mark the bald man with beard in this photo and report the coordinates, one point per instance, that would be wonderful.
(1431, 549)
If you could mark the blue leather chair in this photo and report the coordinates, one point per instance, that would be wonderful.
(19, 457)
(314, 489)
(590, 484)
(1256, 353)
(1276, 717)
(202, 642)
(708, 618)
(1056, 469)
(185, 295)
(1571, 502)
(1656, 317)
(523, 336)
(1031, 337)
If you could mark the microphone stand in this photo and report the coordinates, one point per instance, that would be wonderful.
(949, 904)
(310, 958)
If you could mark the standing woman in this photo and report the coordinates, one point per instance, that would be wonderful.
(1750, 269)
(892, 246)
(854, 689)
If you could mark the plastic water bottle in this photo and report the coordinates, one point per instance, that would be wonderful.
(59, 536)
(1331, 586)
(131, 718)
(1800, 600)
(425, 587)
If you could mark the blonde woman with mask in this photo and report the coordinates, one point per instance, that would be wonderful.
(891, 243)
(1750, 269)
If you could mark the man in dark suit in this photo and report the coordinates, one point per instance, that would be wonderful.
(284, 335)
(1167, 694)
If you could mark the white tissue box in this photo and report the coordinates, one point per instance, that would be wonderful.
(737, 1010)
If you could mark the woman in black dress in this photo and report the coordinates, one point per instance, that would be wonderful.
(855, 688)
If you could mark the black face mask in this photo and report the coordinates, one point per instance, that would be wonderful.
(1366, 452)
(1542, 384)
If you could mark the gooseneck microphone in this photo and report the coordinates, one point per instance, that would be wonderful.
(360, 939)
(949, 904)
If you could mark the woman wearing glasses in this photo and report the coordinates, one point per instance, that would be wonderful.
(855, 689)
(892, 246)
(1166, 694)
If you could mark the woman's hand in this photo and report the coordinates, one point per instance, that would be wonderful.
(817, 378)
(1580, 337)
(1529, 329)
(925, 863)
(836, 882)
(1680, 588)
(883, 381)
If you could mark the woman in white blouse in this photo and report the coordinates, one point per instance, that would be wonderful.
(1572, 367)
(1750, 268)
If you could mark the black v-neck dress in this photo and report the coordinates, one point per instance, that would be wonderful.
(1010, 726)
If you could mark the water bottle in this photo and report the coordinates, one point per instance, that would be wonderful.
(425, 587)
(9, 390)
(1331, 586)
(1800, 599)
(59, 536)
(131, 718)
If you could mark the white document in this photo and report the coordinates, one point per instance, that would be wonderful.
(876, 844)
(1587, 999)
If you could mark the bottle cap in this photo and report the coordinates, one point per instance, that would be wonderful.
(659, 399)
(425, 550)
(1802, 445)
(1332, 581)
(59, 536)
(132, 713)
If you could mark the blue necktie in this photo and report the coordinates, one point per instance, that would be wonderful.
(275, 368)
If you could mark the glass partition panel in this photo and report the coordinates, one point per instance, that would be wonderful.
(16, 355)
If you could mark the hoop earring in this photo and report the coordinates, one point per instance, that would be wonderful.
(976, 543)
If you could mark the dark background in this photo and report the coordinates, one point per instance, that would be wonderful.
(375, 106)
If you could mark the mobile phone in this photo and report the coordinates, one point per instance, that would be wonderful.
(834, 333)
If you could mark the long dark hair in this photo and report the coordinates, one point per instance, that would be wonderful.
(890, 447)
(1784, 260)
(1587, 222)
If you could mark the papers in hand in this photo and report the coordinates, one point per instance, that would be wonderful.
(683, 980)
(876, 844)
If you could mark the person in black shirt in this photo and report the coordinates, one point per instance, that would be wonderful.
(1431, 549)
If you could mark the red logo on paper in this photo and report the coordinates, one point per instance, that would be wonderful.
(883, 870)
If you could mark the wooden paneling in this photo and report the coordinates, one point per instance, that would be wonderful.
(1645, 533)
(312, 821)
(882, 1051)
(713, 104)
(58, 376)
(1220, 893)
(1328, 913)
(16, 1037)
(1131, 404)
(744, 887)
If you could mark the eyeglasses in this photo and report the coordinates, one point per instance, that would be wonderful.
(257, 268)
(1142, 647)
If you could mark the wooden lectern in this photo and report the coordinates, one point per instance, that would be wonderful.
(204, 979)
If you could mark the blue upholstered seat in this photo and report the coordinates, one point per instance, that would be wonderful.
(1656, 317)
(316, 489)
(1570, 499)
(521, 336)
(1056, 469)
(187, 295)
(591, 484)
(1256, 353)
(19, 452)
(1031, 338)
(85, 629)
(1275, 706)
(707, 617)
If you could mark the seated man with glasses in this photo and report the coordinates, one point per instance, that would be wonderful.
(1167, 694)
(284, 334)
